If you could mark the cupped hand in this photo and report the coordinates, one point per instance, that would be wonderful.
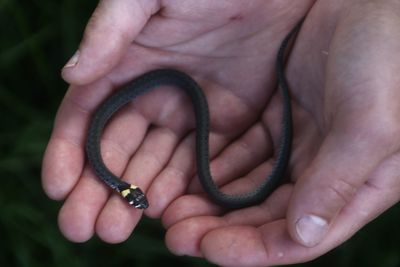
(229, 47)
(345, 164)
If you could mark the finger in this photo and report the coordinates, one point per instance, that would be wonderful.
(64, 157)
(249, 182)
(80, 211)
(182, 207)
(117, 220)
(112, 27)
(363, 121)
(78, 214)
(175, 177)
(329, 184)
(189, 206)
(236, 160)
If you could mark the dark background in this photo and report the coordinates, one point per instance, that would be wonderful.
(36, 39)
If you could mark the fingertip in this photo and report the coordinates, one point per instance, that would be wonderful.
(75, 230)
(310, 230)
(184, 238)
(109, 32)
(308, 221)
(117, 221)
(61, 168)
(178, 245)
(78, 215)
(314, 205)
(73, 61)
(93, 60)
(157, 207)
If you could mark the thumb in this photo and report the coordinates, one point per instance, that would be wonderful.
(340, 168)
(110, 30)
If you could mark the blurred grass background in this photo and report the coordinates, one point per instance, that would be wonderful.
(37, 37)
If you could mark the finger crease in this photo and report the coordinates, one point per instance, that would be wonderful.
(343, 189)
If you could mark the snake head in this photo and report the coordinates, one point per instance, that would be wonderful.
(135, 197)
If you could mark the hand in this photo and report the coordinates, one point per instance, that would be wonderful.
(229, 47)
(343, 73)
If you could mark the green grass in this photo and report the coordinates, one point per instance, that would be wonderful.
(36, 38)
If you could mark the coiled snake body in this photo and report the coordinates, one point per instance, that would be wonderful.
(152, 80)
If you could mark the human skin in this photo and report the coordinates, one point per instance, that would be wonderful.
(345, 164)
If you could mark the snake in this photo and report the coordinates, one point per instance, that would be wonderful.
(176, 78)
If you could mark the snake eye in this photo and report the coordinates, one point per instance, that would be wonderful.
(136, 198)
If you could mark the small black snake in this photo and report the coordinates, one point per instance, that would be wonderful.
(153, 79)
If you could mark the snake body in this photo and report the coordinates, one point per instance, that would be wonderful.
(151, 80)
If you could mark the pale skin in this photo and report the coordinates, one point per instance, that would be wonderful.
(345, 87)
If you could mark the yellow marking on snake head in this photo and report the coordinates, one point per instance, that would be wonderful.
(126, 192)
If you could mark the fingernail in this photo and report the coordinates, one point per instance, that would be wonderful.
(73, 60)
(311, 229)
